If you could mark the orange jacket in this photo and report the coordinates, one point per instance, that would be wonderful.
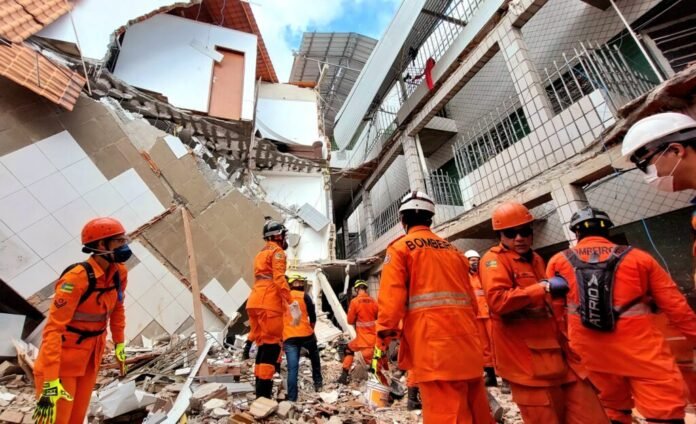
(636, 347)
(480, 296)
(362, 313)
(60, 354)
(529, 347)
(425, 282)
(306, 327)
(271, 291)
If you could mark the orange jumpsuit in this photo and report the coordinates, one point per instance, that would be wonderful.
(483, 319)
(266, 306)
(362, 313)
(530, 350)
(62, 354)
(425, 283)
(632, 362)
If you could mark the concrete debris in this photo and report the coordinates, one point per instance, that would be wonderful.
(8, 368)
(214, 404)
(241, 418)
(220, 413)
(13, 417)
(118, 399)
(263, 407)
(330, 397)
(207, 392)
(285, 408)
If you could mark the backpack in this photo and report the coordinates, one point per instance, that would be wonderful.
(92, 282)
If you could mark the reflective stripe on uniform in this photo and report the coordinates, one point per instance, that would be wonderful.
(263, 277)
(86, 317)
(365, 323)
(479, 292)
(634, 311)
(429, 300)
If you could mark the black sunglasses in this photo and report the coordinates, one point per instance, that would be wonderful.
(513, 232)
(643, 164)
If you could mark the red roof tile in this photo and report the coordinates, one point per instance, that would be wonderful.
(32, 70)
(20, 19)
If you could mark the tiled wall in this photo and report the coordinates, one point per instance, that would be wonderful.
(48, 191)
(392, 185)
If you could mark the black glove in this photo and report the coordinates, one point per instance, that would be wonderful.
(558, 286)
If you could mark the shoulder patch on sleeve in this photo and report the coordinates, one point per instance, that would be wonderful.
(66, 287)
(492, 264)
(279, 255)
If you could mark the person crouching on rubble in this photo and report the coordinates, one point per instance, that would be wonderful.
(267, 303)
(362, 313)
(88, 298)
(295, 338)
(610, 322)
(531, 351)
(425, 283)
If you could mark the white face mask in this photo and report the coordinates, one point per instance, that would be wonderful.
(665, 183)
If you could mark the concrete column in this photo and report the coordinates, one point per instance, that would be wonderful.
(527, 80)
(568, 199)
(369, 215)
(413, 163)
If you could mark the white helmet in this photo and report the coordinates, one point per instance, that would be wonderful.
(417, 201)
(653, 131)
(472, 254)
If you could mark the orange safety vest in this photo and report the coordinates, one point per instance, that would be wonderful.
(271, 291)
(637, 276)
(304, 329)
(362, 313)
(529, 345)
(75, 332)
(425, 283)
(482, 312)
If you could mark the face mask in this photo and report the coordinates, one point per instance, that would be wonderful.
(665, 183)
(118, 255)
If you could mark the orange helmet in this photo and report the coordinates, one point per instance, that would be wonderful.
(510, 215)
(101, 228)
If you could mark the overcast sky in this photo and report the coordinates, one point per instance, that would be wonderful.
(282, 23)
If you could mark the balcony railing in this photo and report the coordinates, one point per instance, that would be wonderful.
(444, 189)
(387, 218)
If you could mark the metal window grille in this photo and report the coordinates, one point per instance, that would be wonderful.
(444, 189)
(388, 218)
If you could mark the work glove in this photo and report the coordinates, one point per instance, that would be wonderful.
(558, 287)
(120, 354)
(45, 412)
(295, 313)
(379, 360)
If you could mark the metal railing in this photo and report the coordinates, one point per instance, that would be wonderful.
(354, 245)
(387, 218)
(594, 67)
(494, 132)
(444, 189)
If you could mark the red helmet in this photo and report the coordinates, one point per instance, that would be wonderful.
(510, 215)
(101, 228)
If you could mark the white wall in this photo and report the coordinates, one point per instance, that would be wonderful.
(288, 113)
(157, 55)
(293, 191)
(97, 20)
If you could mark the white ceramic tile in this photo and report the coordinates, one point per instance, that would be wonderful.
(130, 185)
(185, 300)
(67, 254)
(28, 164)
(45, 236)
(217, 294)
(5, 232)
(240, 291)
(53, 191)
(139, 249)
(130, 220)
(75, 215)
(105, 200)
(140, 281)
(147, 206)
(172, 317)
(155, 267)
(211, 322)
(176, 145)
(129, 299)
(61, 149)
(84, 176)
(157, 299)
(8, 182)
(15, 257)
(20, 209)
(137, 318)
(33, 279)
(172, 284)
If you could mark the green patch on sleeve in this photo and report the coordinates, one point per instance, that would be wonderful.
(66, 288)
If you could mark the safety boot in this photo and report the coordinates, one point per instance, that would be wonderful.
(264, 388)
(505, 388)
(490, 380)
(247, 350)
(414, 400)
(343, 379)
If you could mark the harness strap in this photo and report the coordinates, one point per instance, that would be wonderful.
(84, 334)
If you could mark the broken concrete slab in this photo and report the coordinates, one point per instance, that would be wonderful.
(263, 407)
(241, 418)
(118, 399)
(213, 404)
(8, 368)
(329, 397)
(12, 417)
(206, 392)
(219, 413)
(285, 408)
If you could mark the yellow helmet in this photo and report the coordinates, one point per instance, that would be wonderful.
(360, 283)
(296, 280)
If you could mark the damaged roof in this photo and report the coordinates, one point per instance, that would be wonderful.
(20, 19)
(31, 69)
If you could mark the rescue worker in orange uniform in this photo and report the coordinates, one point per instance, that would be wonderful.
(267, 303)
(610, 325)
(362, 313)
(425, 283)
(531, 352)
(482, 318)
(88, 298)
(301, 336)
